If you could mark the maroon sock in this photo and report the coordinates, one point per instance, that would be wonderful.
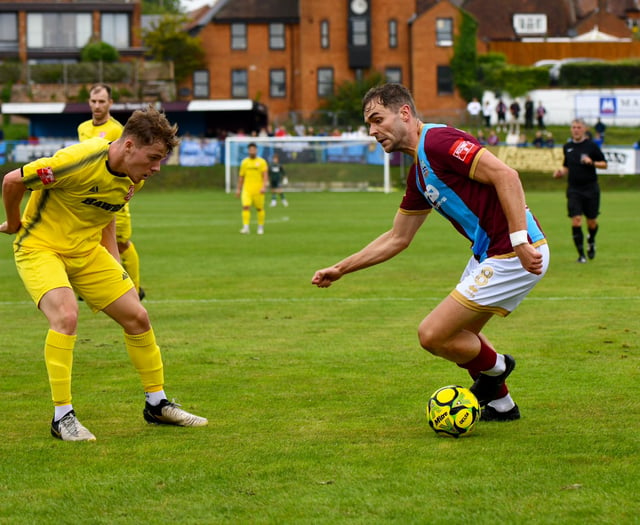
(485, 360)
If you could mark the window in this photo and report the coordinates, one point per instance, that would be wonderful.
(201, 83)
(115, 29)
(8, 31)
(276, 36)
(325, 82)
(393, 74)
(58, 30)
(324, 34)
(359, 32)
(238, 36)
(277, 83)
(444, 31)
(445, 80)
(393, 33)
(530, 24)
(239, 83)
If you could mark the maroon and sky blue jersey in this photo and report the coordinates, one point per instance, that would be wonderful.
(442, 179)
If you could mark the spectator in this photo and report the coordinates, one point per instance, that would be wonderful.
(528, 113)
(540, 113)
(486, 113)
(481, 138)
(600, 128)
(474, 108)
(538, 140)
(514, 123)
(493, 139)
(549, 141)
(501, 111)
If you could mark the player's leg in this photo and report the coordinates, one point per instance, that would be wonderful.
(575, 212)
(246, 200)
(45, 278)
(122, 304)
(130, 261)
(591, 211)
(258, 203)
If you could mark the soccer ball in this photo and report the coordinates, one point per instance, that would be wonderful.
(453, 411)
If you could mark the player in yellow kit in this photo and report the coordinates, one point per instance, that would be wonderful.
(102, 124)
(58, 253)
(252, 186)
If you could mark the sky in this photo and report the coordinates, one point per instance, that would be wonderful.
(190, 5)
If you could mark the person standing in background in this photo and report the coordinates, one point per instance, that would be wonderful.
(581, 158)
(276, 178)
(103, 125)
(486, 113)
(252, 187)
(528, 113)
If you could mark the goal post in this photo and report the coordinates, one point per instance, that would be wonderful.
(316, 163)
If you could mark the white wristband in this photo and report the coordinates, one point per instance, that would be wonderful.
(518, 238)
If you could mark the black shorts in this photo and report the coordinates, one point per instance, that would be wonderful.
(274, 182)
(584, 200)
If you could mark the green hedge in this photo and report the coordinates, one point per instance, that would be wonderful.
(600, 74)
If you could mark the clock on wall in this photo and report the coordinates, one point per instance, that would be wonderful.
(359, 34)
(359, 7)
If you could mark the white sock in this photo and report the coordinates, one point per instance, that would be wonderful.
(498, 368)
(504, 404)
(154, 398)
(61, 411)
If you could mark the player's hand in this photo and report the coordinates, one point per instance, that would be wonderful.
(324, 278)
(4, 228)
(558, 173)
(530, 258)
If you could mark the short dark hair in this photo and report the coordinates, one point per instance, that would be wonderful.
(252, 145)
(390, 95)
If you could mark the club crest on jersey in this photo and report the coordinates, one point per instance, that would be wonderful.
(463, 150)
(46, 175)
(129, 195)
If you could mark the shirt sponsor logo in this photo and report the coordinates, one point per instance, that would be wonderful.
(464, 150)
(46, 175)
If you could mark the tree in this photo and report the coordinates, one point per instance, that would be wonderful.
(97, 51)
(464, 64)
(167, 40)
(161, 7)
(345, 106)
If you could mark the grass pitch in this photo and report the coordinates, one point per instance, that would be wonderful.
(316, 398)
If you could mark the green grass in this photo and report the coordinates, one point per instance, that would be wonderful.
(316, 397)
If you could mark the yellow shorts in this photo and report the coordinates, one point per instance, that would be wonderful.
(254, 198)
(97, 277)
(123, 224)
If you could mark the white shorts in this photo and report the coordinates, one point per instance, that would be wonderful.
(497, 285)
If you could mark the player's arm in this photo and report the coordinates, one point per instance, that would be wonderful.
(265, 178)
(381, 249)
(240, 185)
(13, 189)
(506, 181)
(109, 239)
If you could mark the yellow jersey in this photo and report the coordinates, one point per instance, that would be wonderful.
(110, 130)
(74, 197)
(253, 171)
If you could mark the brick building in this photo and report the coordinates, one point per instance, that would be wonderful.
(290, 54)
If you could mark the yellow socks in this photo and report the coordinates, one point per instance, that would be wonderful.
(58, 357)
(145, 356)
